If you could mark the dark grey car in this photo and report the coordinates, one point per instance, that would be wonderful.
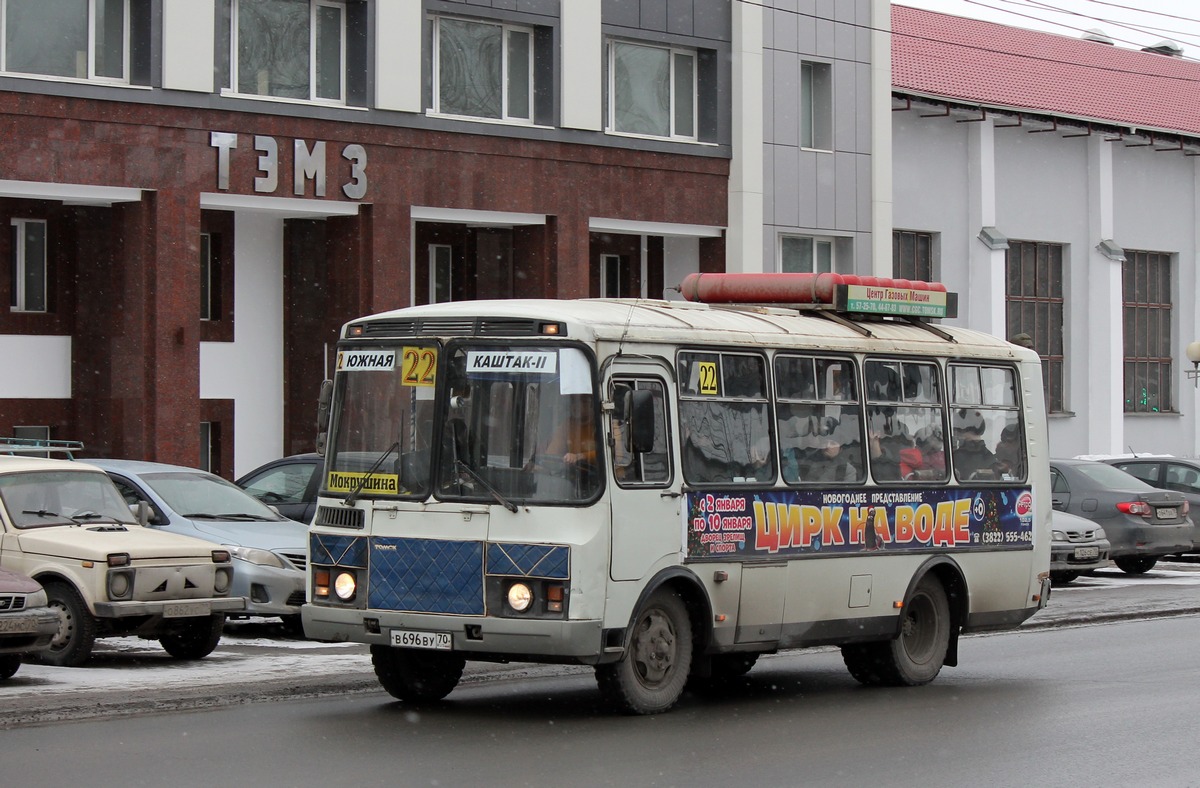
(1142, 523)
(1166, 473)
(289, 484)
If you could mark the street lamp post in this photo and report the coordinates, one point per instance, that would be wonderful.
(1193, 354)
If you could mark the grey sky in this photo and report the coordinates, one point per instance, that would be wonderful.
(1129, 23)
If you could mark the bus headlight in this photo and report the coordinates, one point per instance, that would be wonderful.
(345, 585)
(520, 597)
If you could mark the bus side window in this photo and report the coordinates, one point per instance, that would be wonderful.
(989, 440)
(639, 401)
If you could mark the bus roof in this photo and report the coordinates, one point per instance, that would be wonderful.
(636, 321)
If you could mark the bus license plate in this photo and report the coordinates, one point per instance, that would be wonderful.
(1087, 552)
(185, 610)
(18, 624)
(409, 638)
(1167, 513)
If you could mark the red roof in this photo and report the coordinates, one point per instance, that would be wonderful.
(977, 62)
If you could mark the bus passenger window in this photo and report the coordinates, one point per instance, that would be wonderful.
(989, 444)
(905, 421)
(819, 422)
(724, 416)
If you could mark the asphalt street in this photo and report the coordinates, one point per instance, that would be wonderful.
(257, 662)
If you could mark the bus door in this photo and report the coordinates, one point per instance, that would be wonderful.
(646, 519)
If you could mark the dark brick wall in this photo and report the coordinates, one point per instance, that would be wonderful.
(125, 280)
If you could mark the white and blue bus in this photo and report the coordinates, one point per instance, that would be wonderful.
(666, 490)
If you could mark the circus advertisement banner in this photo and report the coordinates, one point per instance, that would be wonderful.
(789, 523)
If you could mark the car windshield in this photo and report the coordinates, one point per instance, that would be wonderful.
(201, 495)
(37, 499)
(1110, 478)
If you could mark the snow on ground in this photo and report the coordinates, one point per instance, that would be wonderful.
(132, 664)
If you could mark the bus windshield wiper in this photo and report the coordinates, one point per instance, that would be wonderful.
(474, 474)
(350, 499)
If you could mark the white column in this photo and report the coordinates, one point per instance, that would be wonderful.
(582, 62)
(398, 53)
(881, 138)
(1189, 294)
(1102, 350)
(188, 27)
(744, 239)
(983, 297)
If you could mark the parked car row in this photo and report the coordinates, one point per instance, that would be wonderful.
(1137, 522)
(114, 547)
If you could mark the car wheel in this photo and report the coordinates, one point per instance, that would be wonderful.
(416, 676)
(9, 663)
(654, 670)
(194, 638)
(1135, 564)
(1064, 577)
(72, 644)
(916, 655)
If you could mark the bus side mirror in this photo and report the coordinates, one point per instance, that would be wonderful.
(640, 417)
(323, 401)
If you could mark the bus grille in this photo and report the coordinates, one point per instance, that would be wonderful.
(427, 576)
(339, 517)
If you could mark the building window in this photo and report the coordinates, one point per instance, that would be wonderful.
(210, 447)
(1034, 306)
(441, 273)
(612, 276)
(294, 49)
(28, 284)
(912, 255)
(816, 105)
(652, 90)
(1146, 308)
(208, 283)
(806, 255)
(81, 39)
(483, 70)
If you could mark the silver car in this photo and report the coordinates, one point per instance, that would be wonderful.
(1077, 545)
(270, 552)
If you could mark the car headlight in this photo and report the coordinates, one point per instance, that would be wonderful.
(257, 556)
(1058, 536)
(1100, 533)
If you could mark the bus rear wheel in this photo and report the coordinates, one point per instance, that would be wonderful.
(416, 676)
(651, 676)
(913, 657)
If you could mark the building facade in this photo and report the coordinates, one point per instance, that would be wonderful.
(200, 192)
(1053, 182)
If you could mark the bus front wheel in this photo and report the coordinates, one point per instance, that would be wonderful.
(913, 657)
(652, 674)
(416, 676)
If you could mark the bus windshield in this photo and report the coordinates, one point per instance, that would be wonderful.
(502, 424)
(520, 424)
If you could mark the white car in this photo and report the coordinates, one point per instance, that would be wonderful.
(64, 524)
(1077, 545)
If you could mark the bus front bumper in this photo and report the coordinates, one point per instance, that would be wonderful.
(473, 637)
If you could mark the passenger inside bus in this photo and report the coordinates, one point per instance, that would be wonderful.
(887, 437)
(1010, 453)
(972, 458)
(926, 459)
